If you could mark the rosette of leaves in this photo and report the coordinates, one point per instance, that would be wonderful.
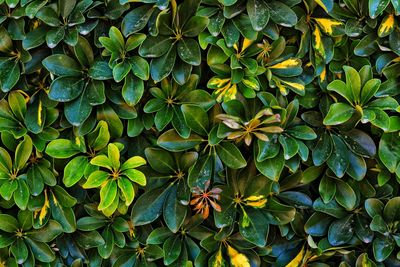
(176, 30)
(385, 220)
(168, 100)
(168, 191)
(112, 229)
(79, 85)
(124, 65)
(215, 153)
(241, 73)
(79, 166)
(12, 176)
(343, 55)
(66, 20)
(116, 180)
(249, 199)
(22, 115)
(138, 253)
(12, 61)
(288, 146)
(355, 13)
(179, 247)
(316, 36)
(54, 203)
(28, 245)
(359, 91)
(282, 68)
(342, 150)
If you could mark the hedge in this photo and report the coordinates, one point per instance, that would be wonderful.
(198, 133)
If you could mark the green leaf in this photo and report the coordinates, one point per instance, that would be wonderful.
(133, 90)
(74, 170)
(140, 67)
(9, 73)
(282, 14)
(230, 155)
(19, 251)
(21, 195)
(353, 82)
(172, 249)
(136, 19)
(55, 36)
(341, 231)
(194, 26)
(338, 113)
(108, 193)
(196, 118)
(100, 71)
(121, 70)
(127, 190)
(389, 151)
(133, 162)
(47, 233)
(273, 167)
(155, 46)
(6, 44)
(338, 161)
(171, 141)
(161, 67)
(174, 212)
(8, 223)
(41, 250)
(96, 179)
(253, 226)
(65, 89)
(23, 152)
(160, 160)
(391, 212)
(77, 110)
(342, 89)
(62, 149)
(99, 137)
(34, 38)
(382, 248)
(376, 7)
(135, 176)
(258, 13)
(83, 52)
(345, 195)
(148, 206)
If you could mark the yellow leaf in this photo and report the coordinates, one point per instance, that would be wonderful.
(322, 76)
(218, 259)
(237, 259)
(256, 201)
(328, 24)
(250, 84)
(297, 86)
(40, 113)
(386, 26)
(296, 262)
(43, 211)
(318, 45)
(246, 44)
(288, 63)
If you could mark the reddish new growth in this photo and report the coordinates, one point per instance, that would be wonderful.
(202, 199)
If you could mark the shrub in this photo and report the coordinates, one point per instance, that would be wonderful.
(199, 133)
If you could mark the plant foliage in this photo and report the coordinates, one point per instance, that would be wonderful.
(199, 133)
